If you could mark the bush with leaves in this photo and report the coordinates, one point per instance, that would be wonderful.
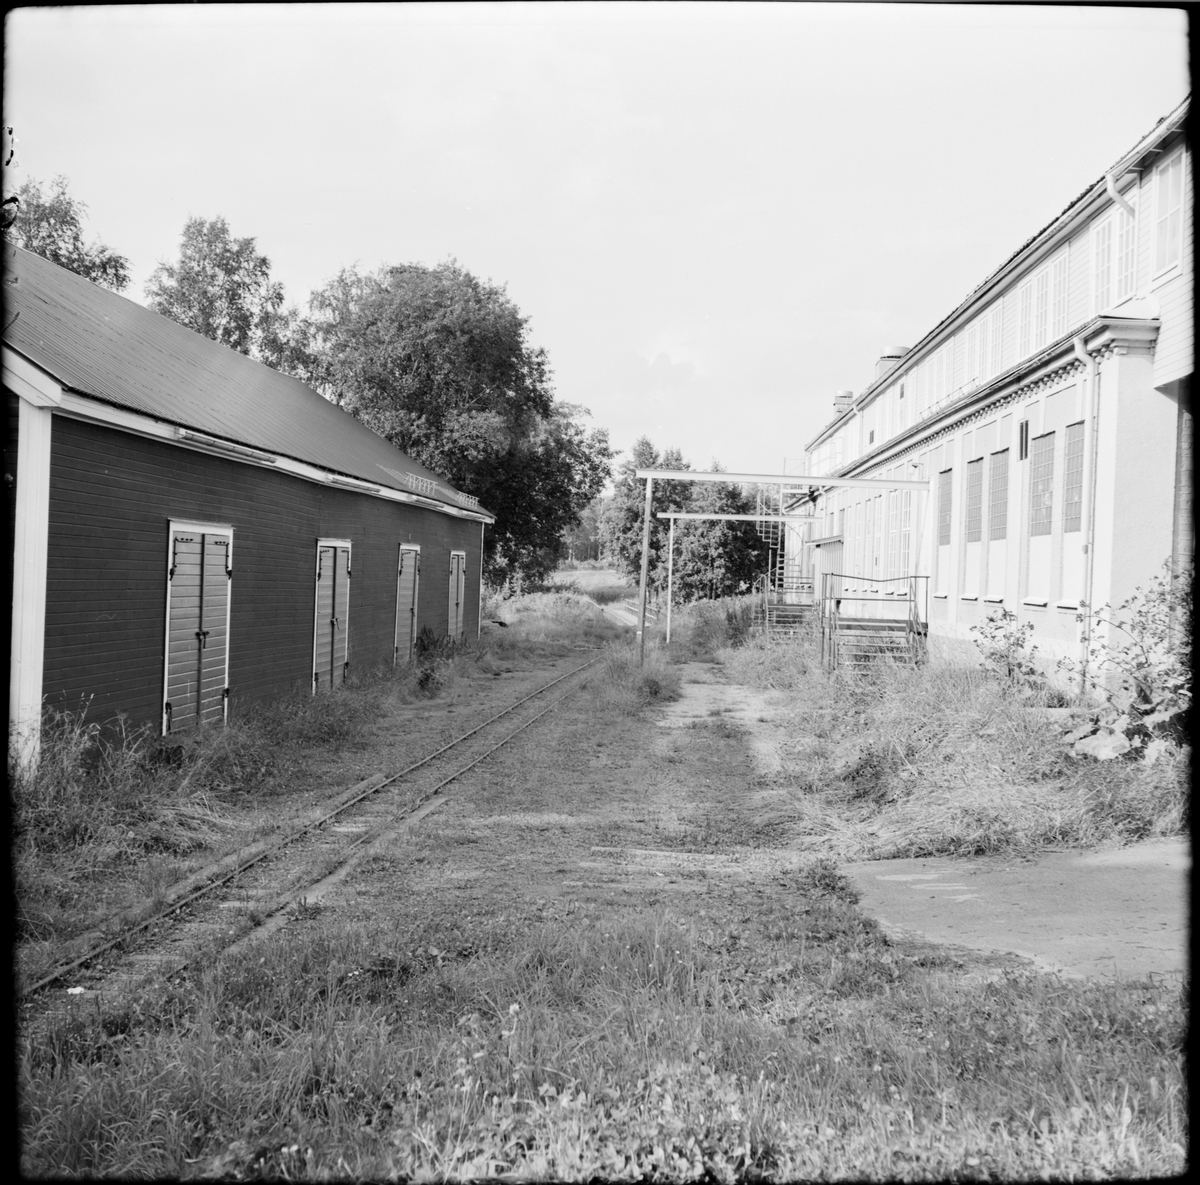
(1003, 641)
(1140, 664)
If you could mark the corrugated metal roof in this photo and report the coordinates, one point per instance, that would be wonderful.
(100, 344)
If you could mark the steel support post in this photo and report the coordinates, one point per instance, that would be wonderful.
(670, 569)
(641, 628)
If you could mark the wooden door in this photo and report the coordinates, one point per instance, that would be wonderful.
(331, 628)
(458, 583)
(408, 575)
(198, 602)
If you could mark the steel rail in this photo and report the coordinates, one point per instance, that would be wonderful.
(312, 825)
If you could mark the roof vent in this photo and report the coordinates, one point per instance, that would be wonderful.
(842, 401)
(888, 359)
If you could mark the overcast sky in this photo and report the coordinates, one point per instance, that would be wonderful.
(715, 216)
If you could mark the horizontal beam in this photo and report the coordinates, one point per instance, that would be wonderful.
(878, 483)
(745, 518)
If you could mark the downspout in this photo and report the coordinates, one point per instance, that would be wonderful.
(1110, 186)
(1090, 436)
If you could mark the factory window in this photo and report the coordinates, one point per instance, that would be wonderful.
(1041, 484)
(1168, 213)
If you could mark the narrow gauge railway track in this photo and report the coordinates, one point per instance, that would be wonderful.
(276, 872)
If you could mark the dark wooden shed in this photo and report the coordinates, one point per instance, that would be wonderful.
(194, 531)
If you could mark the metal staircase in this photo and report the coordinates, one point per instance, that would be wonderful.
(893, 628)
(783, 600)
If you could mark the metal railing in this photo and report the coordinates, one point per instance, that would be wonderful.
(910, 591)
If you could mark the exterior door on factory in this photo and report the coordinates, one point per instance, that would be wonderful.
(458, 588)
(331, 627)
(408, 577)
(196, 660)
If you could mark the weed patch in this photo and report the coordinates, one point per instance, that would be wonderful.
(626, 686)
(943, 760)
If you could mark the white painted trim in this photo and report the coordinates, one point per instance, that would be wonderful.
(80, 407)
(30, 544)
(29, 382)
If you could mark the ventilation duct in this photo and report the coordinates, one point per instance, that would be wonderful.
(888, 359)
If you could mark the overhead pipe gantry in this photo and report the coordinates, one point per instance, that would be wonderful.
(780, 479)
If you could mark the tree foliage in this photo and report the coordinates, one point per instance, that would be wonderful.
(712, 559)
(51, 225)
(582, 541)
(439, 363)
(221, 287)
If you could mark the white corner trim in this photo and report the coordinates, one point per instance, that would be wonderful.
(30, 542)
(33, 385)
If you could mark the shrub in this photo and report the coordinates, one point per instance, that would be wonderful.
(1140, 664)
(1006, 651)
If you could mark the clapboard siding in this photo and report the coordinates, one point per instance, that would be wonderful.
(112, 496)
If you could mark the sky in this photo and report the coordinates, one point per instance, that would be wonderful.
(715, 216)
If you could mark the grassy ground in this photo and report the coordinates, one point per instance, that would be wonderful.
(116, 817)
(595, 962)
(933, 760)
(602, 585)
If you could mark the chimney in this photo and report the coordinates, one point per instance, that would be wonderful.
(842, 401)
(888, 360)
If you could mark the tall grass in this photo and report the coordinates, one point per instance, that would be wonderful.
(548, 620)
(702, 629)
(797, 1046)
(626, 682)
(940, 760)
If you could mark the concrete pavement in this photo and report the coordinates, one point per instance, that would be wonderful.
(1097, 915)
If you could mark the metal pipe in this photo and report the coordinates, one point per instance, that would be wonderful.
(743, 518)
(1090, 437)
(879, 483)
(1110, 186)
(641, 629)
(670, 567)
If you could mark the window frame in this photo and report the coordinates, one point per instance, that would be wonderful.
(1041, 485)
(1171, 265)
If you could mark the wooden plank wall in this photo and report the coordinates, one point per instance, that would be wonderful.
(112, 496)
